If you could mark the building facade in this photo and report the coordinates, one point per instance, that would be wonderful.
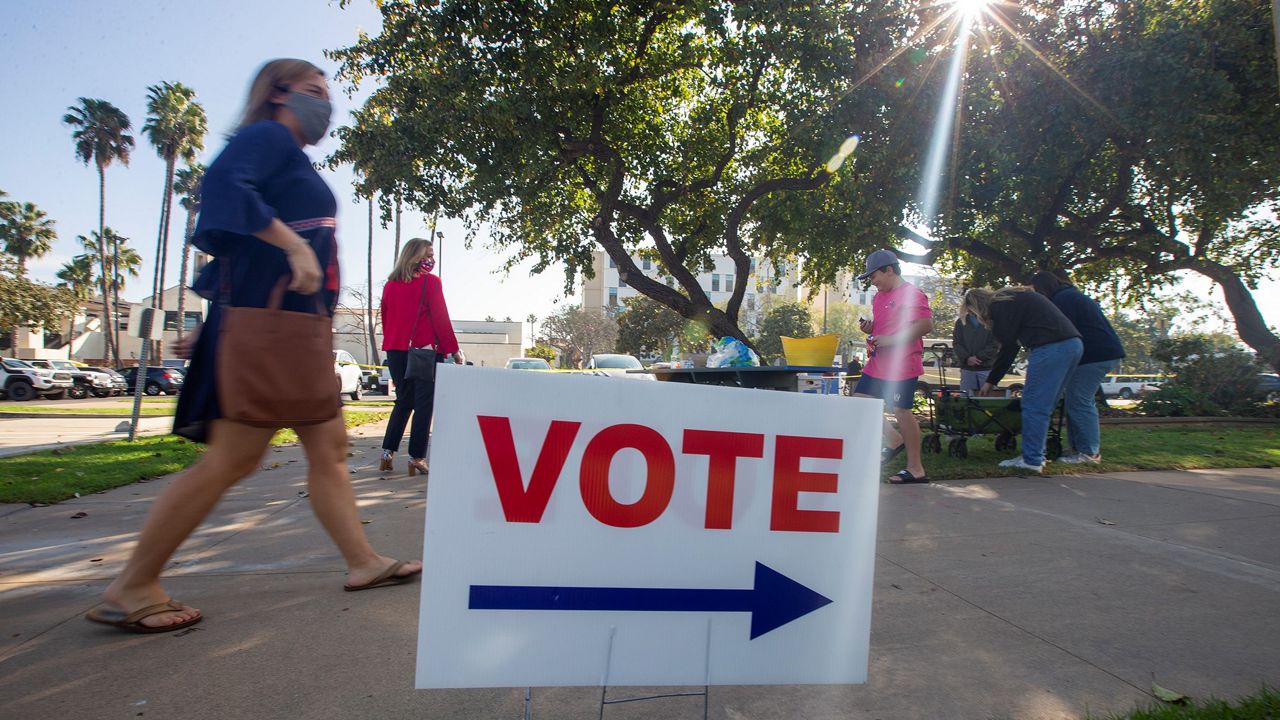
(485, 343)
(767, 285)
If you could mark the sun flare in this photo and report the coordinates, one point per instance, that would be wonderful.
(971, 8)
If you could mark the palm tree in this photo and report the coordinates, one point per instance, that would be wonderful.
(77, 275)
(26, 233)
(187, 185)
(176, 127)
(125, 261)
(102, 137)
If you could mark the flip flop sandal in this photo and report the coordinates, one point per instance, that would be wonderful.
(887, 454)
(387, 578)
(132, 622)
(902, 477)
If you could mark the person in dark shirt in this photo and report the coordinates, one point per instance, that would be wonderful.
(1019, 317)
(1102, 353)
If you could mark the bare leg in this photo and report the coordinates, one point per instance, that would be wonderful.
(892, 438)
(234, 451)
(334, 502)
(909, 427)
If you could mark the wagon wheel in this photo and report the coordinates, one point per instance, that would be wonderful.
(962, 448)
(1005, 441)
(1053, 448)
(933, 443)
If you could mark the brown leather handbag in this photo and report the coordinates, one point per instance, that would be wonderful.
(275, 367)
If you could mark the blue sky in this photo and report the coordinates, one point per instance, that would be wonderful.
(60, 50)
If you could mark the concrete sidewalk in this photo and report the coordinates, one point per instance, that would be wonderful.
(23, 435)
(1007, 598)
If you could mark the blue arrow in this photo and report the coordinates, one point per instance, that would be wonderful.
(774, 601)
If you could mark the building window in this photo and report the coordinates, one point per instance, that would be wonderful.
(753, 266)
(621, 282)
(613, 297)
(612, 264)
(671, 282)
(715, 282)
(647, 264)
(171, 320)
(751, 302)
(728, 283)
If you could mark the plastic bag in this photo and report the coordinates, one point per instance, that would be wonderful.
(732, 352)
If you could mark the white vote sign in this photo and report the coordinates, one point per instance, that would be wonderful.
(587, 530)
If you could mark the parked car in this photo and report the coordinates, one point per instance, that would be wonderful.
(385, 384)
(1269, 385)
(85, 381)
(348, 373)
(157, 380)
(527, 363)
(119, 385)
(369, 377)
(22, 382)
(1127, 386)
(617, 366)
(935, 378)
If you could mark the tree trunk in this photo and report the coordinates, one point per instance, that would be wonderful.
(108, 339)
(370, 324)
(396, 256)
(1250, 325)
(115, 288)
(182, 274)
(71, 334)
(164, 253)
(162, 241)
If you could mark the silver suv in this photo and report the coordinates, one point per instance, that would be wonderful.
(22, 382)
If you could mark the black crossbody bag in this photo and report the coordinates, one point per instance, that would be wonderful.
(421, 364)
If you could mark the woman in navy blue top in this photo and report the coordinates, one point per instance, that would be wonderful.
(265, 214)
(1102, 353)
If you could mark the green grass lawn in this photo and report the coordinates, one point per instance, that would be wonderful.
(1263, 705)
(121, 411)
(51, 476)
(1124, 448)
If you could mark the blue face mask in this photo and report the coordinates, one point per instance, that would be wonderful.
(313, 115)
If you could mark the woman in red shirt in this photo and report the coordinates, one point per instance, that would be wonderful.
(413, 315)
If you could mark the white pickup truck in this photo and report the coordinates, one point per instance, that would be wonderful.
(21, 382)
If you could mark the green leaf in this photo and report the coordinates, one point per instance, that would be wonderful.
(1167, 695)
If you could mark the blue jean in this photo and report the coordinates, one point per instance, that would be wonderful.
(971, 380)
(1082, 411)
(1048, 367)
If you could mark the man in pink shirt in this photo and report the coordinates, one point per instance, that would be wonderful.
(895, 346)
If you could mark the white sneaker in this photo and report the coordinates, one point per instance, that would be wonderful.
(1079, 458)
(1018, 463)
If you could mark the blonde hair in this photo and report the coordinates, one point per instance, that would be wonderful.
(977, 301)
(410, 255)
(275, 73)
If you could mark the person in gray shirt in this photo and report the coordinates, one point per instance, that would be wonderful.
(975, 348)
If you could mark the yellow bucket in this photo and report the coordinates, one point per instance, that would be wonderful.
(813, 351)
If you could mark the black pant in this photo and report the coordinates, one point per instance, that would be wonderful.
(413, 396)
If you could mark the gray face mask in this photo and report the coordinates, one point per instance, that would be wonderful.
(312, 113)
